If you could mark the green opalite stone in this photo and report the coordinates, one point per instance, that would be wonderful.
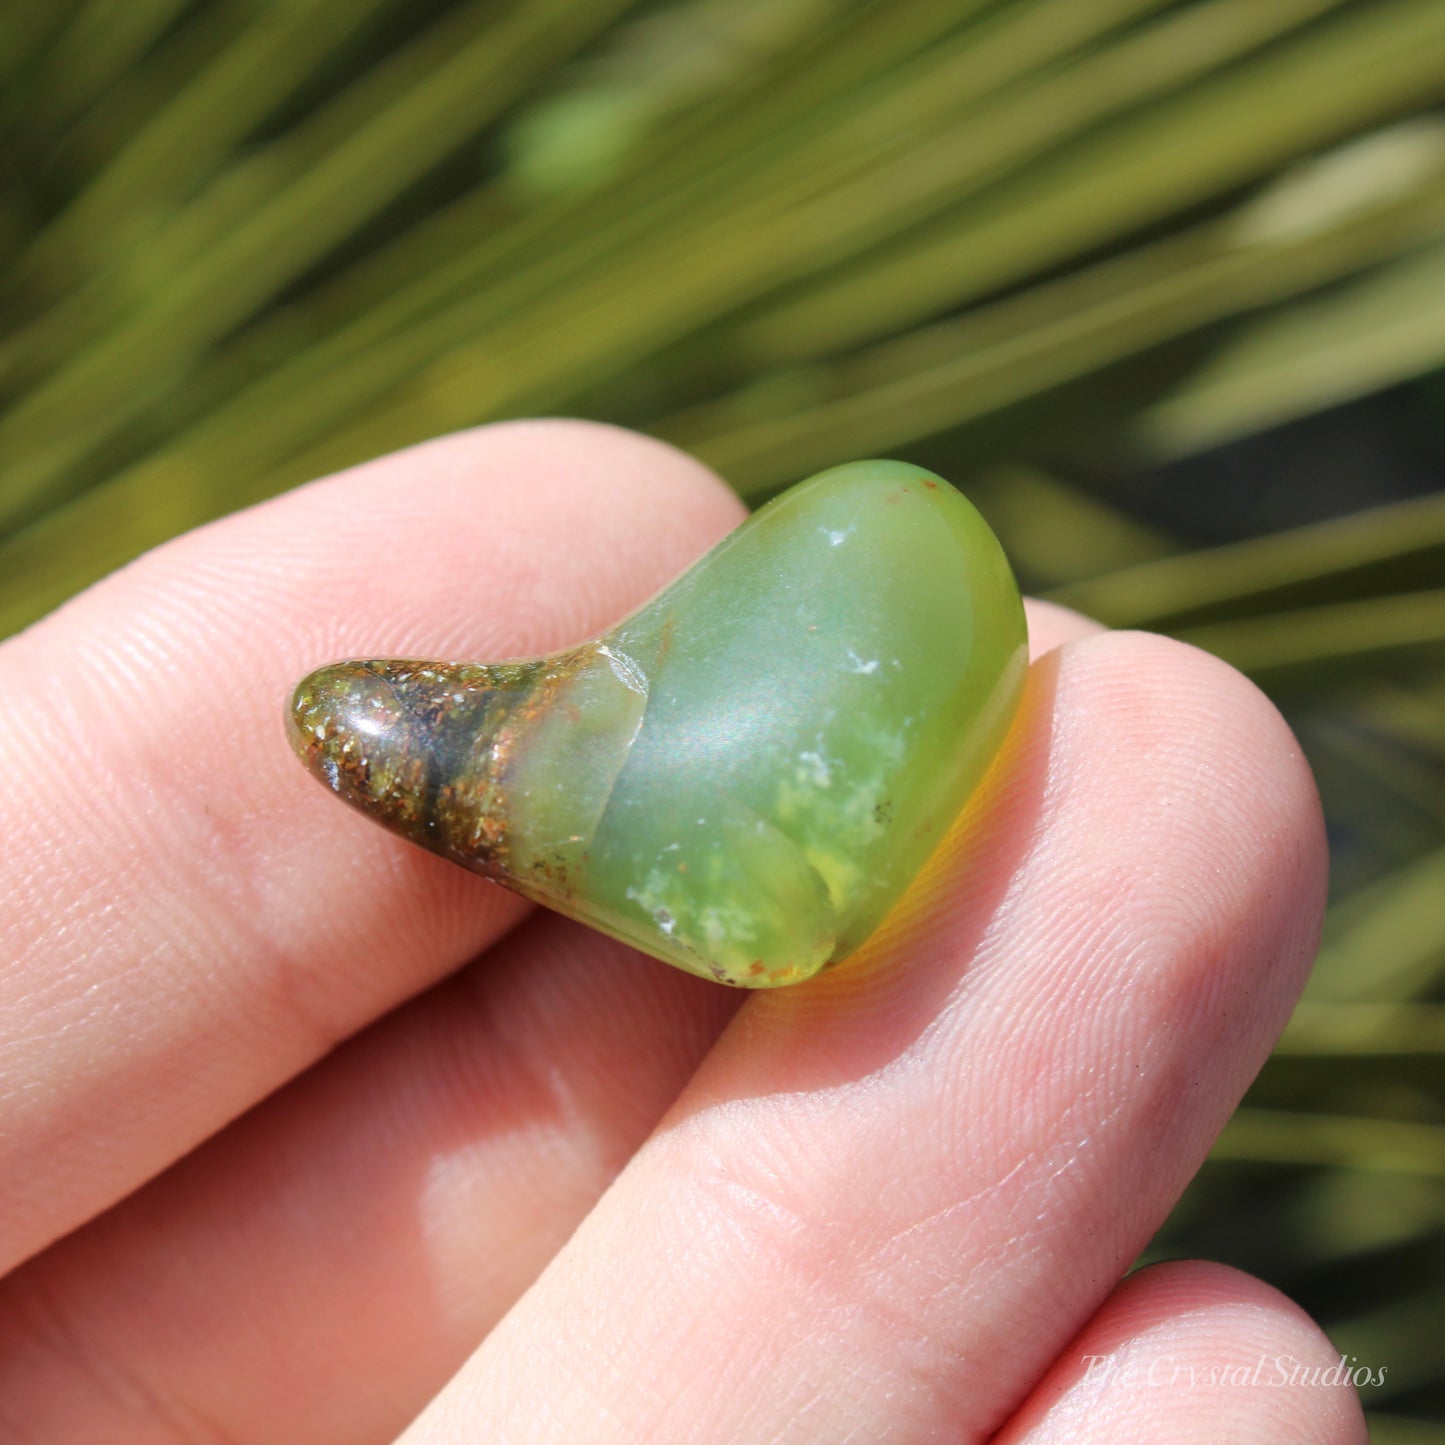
(741, 778)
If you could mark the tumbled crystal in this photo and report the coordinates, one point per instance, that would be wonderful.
(743, 776)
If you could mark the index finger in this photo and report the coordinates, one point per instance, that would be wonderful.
(186, 920)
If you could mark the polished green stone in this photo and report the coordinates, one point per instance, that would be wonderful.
(742, 777)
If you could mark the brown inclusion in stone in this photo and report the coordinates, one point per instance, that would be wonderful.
(420, 746)
(466, 758)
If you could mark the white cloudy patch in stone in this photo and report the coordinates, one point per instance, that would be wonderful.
(814, 770)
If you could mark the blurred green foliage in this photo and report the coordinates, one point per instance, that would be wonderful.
(1071, 252)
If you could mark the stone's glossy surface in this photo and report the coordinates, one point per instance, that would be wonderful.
(743, 776)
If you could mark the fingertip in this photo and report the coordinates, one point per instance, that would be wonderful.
(1052, 625)
(1192, 1351)
(1183, 714)
(465, 539)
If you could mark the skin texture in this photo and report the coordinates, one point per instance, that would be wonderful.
(303, 1126)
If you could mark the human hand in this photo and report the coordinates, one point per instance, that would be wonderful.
(300, 1122)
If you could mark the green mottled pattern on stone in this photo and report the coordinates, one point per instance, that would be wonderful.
(743, 776)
